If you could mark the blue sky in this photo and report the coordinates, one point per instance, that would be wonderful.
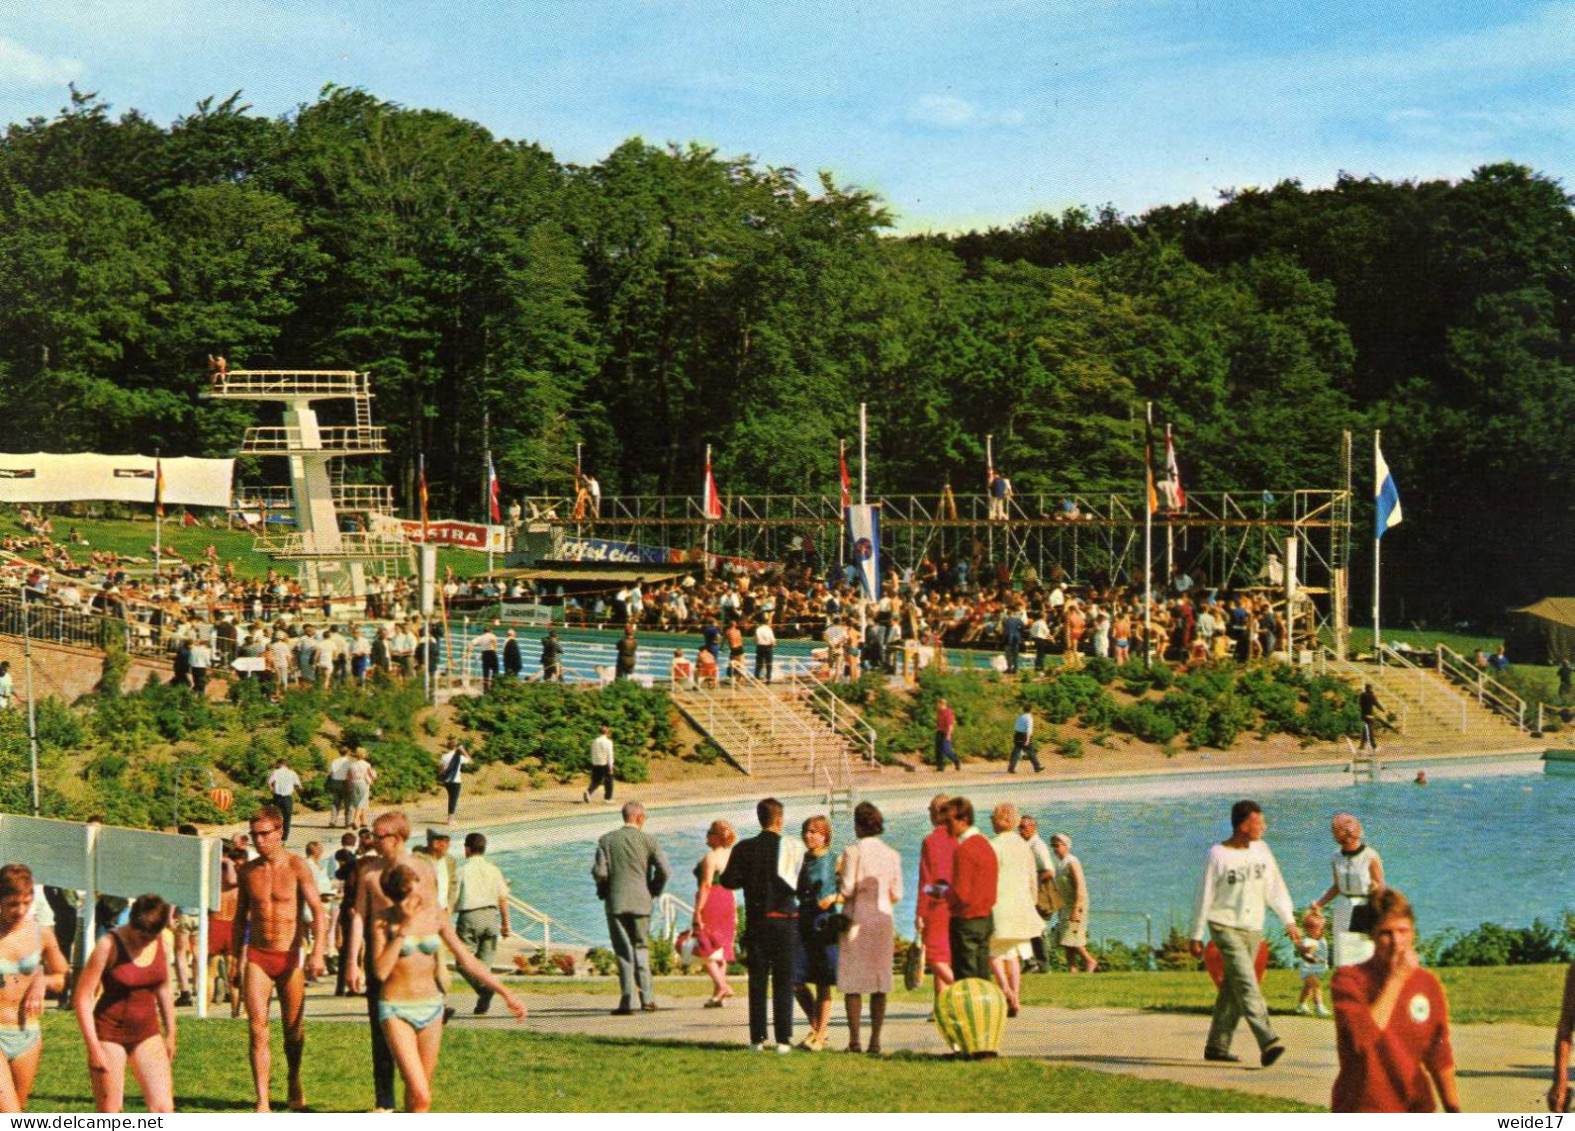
(958, 113)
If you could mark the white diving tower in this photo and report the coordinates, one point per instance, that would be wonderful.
(329, 561)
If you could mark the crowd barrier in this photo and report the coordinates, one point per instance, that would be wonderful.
(99, 860)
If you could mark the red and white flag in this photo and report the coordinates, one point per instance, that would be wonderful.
(1175, 497)
(492, 491)
(847, 484)
(713, 501)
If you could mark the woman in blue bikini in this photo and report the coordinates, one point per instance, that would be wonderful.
(407, 945)
(22, 984)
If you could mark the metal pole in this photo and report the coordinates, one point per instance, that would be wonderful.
(1148, 533)
(863, 496)
(32, 710)
(1377, 558)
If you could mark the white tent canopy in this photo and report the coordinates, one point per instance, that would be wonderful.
(86, 477)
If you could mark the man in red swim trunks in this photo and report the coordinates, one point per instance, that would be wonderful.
(266, 951)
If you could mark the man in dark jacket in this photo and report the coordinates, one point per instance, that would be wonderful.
(766, 867)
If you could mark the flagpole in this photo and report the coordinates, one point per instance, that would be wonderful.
(842, 463)
(1377, 552)
(158, 516)
(1170, 516)
(424, 578)
(863, 501)
(491, 475)
(705, 505)
(1148, 531)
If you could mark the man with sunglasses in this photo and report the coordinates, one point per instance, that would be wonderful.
(265, 953)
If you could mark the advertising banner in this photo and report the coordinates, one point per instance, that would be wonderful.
(86, 477)
(445, 532)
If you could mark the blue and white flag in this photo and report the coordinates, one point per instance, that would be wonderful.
(864, 538)
(1385, 494)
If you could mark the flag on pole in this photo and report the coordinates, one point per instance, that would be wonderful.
(713, 501)
(1385, 493)
(847, 483)
(1148, 459)
(492, 491)
(864, 538)
(158, 486)
(423, 489)
(1175, 497)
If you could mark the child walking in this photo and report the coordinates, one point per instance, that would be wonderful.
(1314, 964)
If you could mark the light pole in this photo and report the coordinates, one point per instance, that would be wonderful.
(32, 708)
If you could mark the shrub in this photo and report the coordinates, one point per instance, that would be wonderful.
(1102, 713)
(553, 724)
(1148, 722)
(1101, 669)
(1070, 748)
(601, 961)
(1227, 718)
(1060, 698)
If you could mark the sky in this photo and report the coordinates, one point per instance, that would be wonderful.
(957, 113)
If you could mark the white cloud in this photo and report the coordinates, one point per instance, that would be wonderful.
(20, 67)
(948, 112)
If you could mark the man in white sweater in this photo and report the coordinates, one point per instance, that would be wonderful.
(1241, 879)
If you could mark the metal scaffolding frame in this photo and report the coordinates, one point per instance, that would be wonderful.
(1225, 537)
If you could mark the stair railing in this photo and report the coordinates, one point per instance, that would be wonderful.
(1487, 691)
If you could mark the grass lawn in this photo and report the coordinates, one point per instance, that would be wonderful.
(531, 1072)
(1477, 994)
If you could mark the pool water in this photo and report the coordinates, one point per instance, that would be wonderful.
(1484, 841)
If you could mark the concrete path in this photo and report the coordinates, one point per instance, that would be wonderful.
(1501, 1068)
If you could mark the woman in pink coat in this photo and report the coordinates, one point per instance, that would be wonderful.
(871, 874)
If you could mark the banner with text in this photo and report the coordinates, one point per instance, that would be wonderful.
(445, 532)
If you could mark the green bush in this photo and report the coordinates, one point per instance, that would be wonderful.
(1101, 669)
(1058, 699)
(1493, 945)
(552, 725)
(1226, 719)
(1102, 713)
(1147, 721)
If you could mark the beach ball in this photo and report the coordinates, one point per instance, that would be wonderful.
(222, 799)
(971, 1015)
(1214, 962)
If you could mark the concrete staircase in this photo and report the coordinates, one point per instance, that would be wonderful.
(1428, 709)
(792, 730)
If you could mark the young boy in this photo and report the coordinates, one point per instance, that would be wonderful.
(1314, 964)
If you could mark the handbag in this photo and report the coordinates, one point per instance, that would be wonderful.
(913, 965)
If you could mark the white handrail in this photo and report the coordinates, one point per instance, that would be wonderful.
(547, 922)
(1490, 692)
(1450, 704)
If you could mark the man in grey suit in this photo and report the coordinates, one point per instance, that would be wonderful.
(629, 871)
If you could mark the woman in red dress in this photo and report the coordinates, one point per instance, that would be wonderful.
(933, 918)
(1391, 1023)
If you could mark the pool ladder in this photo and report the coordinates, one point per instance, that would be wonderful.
(1363, 762)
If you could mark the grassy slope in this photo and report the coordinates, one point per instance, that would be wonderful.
(531, 1072)
(1526, 994)
(134, 538)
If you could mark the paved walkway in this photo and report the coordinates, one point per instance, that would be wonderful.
(1501, 1068)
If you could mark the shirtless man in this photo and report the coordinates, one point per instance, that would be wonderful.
(389, 833)
(268, 949)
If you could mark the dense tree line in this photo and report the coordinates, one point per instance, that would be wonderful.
(668, 297)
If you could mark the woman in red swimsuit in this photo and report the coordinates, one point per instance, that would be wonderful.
(123, 1024)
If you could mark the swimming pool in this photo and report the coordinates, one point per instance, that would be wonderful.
(1484, 841)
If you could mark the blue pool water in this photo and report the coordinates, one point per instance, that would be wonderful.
(1485, 841)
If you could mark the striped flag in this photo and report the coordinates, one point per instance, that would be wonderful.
(492, 491)
(847, 484)
(713, 501)
(423, 490)
(158, 486)
(1385, 494)
(1175, 497)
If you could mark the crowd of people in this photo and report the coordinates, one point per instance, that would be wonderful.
(820, 919)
